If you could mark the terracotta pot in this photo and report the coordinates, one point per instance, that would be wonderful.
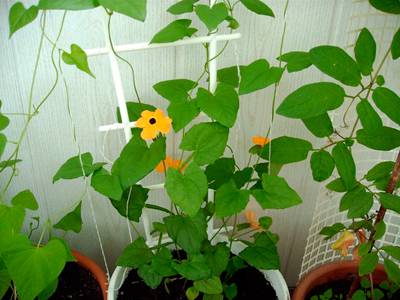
(330, 272)
(97, 272)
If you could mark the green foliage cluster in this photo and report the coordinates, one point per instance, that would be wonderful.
(207, 166)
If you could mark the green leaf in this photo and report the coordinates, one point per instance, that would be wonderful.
(259, 7)
(71, 221)
(107, 185)
(230, 291)
(380, 230)
(276, 193)
(241, 177)
(336, 185)
(392, 270)
(365, 51)
(220, 171)
(25, 199)
(384, 138)
(176, 90)
(287, 150)
(296, 60)
(211, 285)
(229, 76)
(322, 165)
(395, 46)
(20, 16)
(345, 165)
(3, 142)
(187, 190)
(358, 202)
(68, 4)
(196, 268)
(380, 170)
(265, 222)
(213, 297)
(369, 118)
(187, 232)
(217, 257)
(368, 263)
(144, 159)
(11, 221)
(388, 102)
(390, 201)
(78, 58)
(181, 109)
(359, 295)
(330, 231)
(174, 31)
(312, 100)
(212, 16)
(75, 167)
(320, 126)
(229, 200)
(135, 254)
(388, 6)
(181, 7)
(5, 279)
(48, 291)
(135, 9)
(32, 269)
(393, 251)
(135, 198)
(258, 75)
(207, 140)
(223, 106)
(192, 293)
(4, 121)
(150, 276)
(262, 254)
(336, 63)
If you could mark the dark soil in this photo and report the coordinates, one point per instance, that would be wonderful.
(340, 288)
(251, 285)
(75, 282)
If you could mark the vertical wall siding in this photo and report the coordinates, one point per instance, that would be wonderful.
(93, 103)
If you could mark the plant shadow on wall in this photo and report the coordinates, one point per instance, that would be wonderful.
(363, 277)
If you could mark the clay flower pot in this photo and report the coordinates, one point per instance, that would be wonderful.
(330, 272)
(97, 272)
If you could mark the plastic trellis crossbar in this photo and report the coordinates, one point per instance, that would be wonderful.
(126, 124)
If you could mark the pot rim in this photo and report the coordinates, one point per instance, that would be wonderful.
(316, 276)
(98, 273)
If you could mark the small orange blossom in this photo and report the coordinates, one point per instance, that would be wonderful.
(260, 140)
(152, 123)
(344, 242)
(169, 162)
(252, 219)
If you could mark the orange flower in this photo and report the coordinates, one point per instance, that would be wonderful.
(260, 140)
(169, 162)
(252, 219)
(344, 242)
(152, 123)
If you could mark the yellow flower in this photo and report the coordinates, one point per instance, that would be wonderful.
(344, 242)
(152, 123)
(252, 219)
(169, 162)
(260, 140)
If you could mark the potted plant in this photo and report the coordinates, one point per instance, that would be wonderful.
(43, 268)
(376, 127)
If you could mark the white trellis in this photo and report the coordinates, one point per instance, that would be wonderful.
(127, 124)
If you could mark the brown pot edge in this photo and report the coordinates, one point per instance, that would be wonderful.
(312, 279)
(95, 269)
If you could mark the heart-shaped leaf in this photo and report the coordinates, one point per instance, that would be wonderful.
(78, 58)
(229, 200)
(187, 190)
(259, 7)
(25, 199)
(212, 16)
(222, 106)
(71, 221)
(135, 9)
(174, 31)
(20, 16)
(68, 4)
(135, 198)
